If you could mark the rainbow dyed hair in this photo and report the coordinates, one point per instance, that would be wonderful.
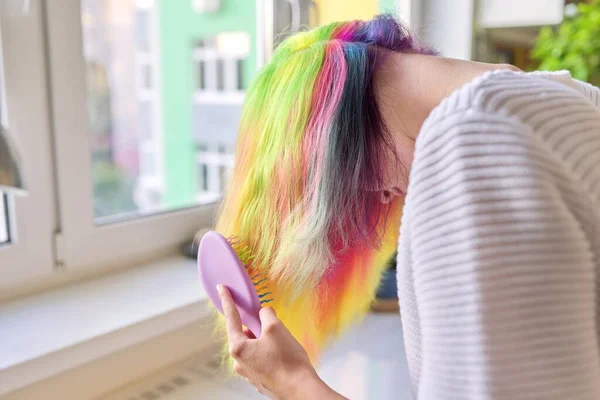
(309, 163)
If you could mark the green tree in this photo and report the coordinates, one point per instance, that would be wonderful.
(574, 45)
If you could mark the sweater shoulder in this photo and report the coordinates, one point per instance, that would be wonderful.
(508, 94)
(528, 106)
(546, 126)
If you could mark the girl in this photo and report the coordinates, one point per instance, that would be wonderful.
(498, 174)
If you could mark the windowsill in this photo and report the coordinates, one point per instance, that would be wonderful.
(49, 333)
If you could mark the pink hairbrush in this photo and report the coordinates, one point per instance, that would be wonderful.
(227, 262)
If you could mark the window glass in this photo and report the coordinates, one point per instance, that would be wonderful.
(163, 77)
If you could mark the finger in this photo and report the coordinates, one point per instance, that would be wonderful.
(268, 320)
(233, 322)
(268, 316)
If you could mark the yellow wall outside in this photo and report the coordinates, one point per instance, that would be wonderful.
(344, 10)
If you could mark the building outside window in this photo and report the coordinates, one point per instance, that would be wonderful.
(218, 65)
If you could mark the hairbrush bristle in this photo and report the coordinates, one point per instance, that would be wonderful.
(260, 282)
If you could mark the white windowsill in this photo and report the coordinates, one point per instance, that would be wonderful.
(49, 333)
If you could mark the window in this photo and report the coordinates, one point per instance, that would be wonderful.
(240, 74)
(26, 224)
(135, 132)
(146, 73)
(219, 67)
(141, 86)
(224, 172)
(125, 114)
(219, 64)
(145, 123)
(214, 163)
(200, 75)
(118, 43)
(142, 24)
(220, 70)
(203, 178)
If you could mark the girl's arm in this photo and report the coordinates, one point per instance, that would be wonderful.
(502, 266)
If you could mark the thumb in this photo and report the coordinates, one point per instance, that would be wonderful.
(268, 316)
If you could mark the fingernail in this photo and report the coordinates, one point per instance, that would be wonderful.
(220, 288)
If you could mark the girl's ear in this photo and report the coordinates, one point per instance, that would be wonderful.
(386, 196)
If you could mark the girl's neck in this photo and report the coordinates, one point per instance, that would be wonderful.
(410, 86)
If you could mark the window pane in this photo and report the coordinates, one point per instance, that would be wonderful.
(203, 178)
(223, 177)
(161, 81)
(147, 77)
(201, 82)
(142, 27)
(220, 75)
(240, 74)
(4, 236)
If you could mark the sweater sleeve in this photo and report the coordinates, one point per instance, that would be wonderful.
(503, 274)
(591, 92)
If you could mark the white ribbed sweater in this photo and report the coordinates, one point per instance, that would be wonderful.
(499, 252)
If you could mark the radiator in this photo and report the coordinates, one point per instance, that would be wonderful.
(198, 377)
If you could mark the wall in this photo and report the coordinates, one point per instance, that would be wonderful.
(448, 26)
(388, 6)
(121, 368)
(180, 27)
(511, 13)
(343, 10)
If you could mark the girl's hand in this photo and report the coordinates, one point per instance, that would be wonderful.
(276, 364)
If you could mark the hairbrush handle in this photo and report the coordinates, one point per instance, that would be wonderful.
(249, 320)
(255, 326)
(218, 264)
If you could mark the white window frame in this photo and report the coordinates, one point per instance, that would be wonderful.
(82, 244)
(32, 218)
